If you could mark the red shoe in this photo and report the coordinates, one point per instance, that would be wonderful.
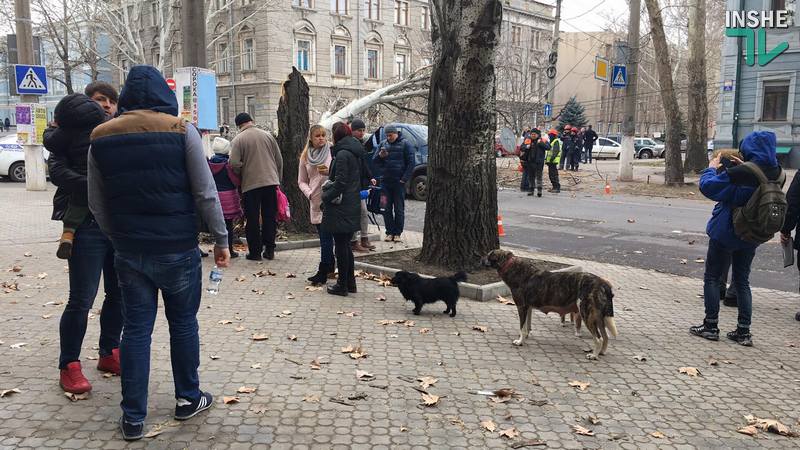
(110, 363)
(72, 379)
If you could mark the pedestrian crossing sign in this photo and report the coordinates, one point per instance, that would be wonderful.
(619, 77)
(31, 79)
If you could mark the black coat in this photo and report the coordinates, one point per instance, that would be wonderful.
(345, 177)
(77, 115)
(589, 138)
(793, 212)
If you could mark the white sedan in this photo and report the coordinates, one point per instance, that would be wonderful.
(12, 158)
(606, 148)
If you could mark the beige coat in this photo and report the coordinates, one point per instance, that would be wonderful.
(256, 157)
(310, 181)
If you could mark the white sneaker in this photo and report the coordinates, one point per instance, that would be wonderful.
(388, 238)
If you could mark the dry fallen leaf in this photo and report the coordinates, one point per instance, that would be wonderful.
(658, 435)
(408, 323)
(426, 382)
(712, 361)
(246, 390)
(229, 400)
(640, 358)
(683, 261)
(699, 260)
(8, 392)
(381, 298)
(315, 364)
(504, 300)
(631, 220)
(46, 316)
(489, 425)
(430, 399)
(510, 433)
(225, 322)
(259, 337)
(264, 273)
(403, 429)
(313, 288)
(691, 371)
(257, 291)
(241, 278)
(259, 409)
(75, 397)
(309, 398)
(593, 420)
(580, 385)
(255, 366)
(19, 345)
(424, 330)
(292, 337)
(42, 276)
(355, 352)
(363, 375)
(749, 430)
(155, 431)
(213, 357)
(582, 430)
(480, 328)
(771, 425)
(239, 329)
(290, 296)
(27, 254)
(15, 269)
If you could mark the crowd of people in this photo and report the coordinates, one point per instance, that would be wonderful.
(556, 150)
(134, 185)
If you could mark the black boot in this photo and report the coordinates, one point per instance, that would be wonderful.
(351, 285)
(741, 336)
(321, 276)
(337, 289)
(706, 330)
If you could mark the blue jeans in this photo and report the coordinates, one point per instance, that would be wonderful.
(325, 246)
(179, 278)
(92, 253)
(394, 217)
(717, 261)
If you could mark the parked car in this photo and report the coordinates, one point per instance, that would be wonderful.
(606, 148)
(501, 151)
(12, 158)
(417, 135)
(647, 148)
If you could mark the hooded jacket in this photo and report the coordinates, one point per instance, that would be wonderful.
(148, 176)
(732, 188)
(345, 174)
(77, 115)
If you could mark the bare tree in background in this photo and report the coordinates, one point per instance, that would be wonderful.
(696, 159)
(130, 18)
(673, 163)
(519, 86)
(57, 22)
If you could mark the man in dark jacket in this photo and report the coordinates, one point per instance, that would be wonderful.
(91, 251)
(732, 188)
(536, 157)
(567, 145)
(792, 222)
(395, 156)
(589, 138)
(148, 182)
(577, 148)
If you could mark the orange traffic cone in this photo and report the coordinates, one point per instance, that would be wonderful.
(608, 187)
(500, 231)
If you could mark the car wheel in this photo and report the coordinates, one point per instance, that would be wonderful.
(645, 154)
(419, 188)
(17, 172)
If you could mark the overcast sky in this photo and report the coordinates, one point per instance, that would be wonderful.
(589, 15)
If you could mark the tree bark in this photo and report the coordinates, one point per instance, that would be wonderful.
(696, 145)
(461, 213)
(292, 137)
(673, 162)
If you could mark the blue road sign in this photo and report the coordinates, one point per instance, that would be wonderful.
(619, 77)
(548, 109)
(31, 79)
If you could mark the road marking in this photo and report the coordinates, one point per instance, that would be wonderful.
(563, 219)
(647, 205)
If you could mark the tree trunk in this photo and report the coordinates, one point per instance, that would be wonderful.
(461, 212)
(673, 162)
(292, 137)
(696, 145)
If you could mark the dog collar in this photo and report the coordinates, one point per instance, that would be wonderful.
(506, 265)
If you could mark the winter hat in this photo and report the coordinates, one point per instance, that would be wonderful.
(391, 129)
(536, 132)
(242, 118)
(358, 124)
(221, 146)
(340, 131)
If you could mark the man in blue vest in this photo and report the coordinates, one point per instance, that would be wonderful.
(148, 181)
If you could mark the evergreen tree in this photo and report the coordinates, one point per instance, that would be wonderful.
(572, 114)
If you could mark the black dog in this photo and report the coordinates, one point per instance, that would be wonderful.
(424, 290)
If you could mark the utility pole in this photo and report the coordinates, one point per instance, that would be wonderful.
(35, 179)
(553, 59)
(629, 118)
(193, 27)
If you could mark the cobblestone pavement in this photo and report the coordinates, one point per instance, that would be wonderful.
(291, 407)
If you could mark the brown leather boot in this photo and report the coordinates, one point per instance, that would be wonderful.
(365, 243)
(358, 248)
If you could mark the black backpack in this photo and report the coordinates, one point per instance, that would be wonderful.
(763, 215)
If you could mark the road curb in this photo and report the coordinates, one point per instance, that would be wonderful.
(308, 243)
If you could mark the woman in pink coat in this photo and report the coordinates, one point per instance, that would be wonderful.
(314, 163)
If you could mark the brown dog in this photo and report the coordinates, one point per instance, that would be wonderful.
(584, 294)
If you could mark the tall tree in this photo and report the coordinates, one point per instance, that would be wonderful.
(573, 113)
(696, 159)
(673, 163)
(292, 137)
(461, 213)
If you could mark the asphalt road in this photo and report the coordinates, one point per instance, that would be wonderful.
(597, 228)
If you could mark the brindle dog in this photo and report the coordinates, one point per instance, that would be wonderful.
(584, 294)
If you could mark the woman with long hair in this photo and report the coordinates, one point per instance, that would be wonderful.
(314, 165)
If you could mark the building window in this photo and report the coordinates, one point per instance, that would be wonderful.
(222, 58)
(516, 34)
(778, 5)
(401, 13)
(250, 106)
(339, 7)
(426, 62)
(153, 14)
(340, 60)
(303, 4)
(373, 64)
(373, 8)
(155, 55)
(248, 54)
(124, 68)
(536, 39)
(401, 65)
(303, 57)
(224, 109)
(247, 2)
(776, 101)
(426, 18)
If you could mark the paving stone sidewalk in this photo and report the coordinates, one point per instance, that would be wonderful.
(292, 407)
